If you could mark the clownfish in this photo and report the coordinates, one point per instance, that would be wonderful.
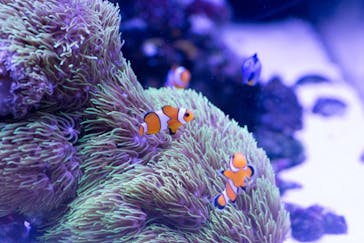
(251, 69)
(236, 176)
(168, 117)
(178, 77)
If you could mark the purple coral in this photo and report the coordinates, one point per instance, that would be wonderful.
(307, 225)
(21, 86)
(52, 60)
(38, 164)
(334, 224)
(5, 93)
(311, 223)
(328, 106)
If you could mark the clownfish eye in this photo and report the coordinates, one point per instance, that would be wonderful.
(186, 114)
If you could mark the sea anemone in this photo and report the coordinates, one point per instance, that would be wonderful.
(52, 53)
(103, 215)
(39, 166)
(112, 143)
(175, 179)
(155, 233)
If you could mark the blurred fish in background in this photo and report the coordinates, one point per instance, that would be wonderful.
(178, 77)
(251, 70)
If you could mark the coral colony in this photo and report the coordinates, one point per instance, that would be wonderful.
(88, 155)
(73, 166)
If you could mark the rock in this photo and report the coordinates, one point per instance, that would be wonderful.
(362, 157)
(306, 224)
(334, 224)
(284, 150)
(312, 79)
(326, 106)
(311, 223)
(279, 107)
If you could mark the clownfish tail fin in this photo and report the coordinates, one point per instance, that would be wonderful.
(219, 201)
(142, 129)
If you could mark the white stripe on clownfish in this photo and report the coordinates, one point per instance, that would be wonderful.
(232, 167)
(163, 119)
(225, 196)
(178, 76)
(181, 113)
(233, 187)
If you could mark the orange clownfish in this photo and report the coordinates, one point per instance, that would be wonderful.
(168, 117)
(178, 77)
(237, 174)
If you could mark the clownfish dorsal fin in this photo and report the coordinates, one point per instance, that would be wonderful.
(170, 111)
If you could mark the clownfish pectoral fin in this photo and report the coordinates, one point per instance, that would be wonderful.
(228, 173)
(173, 126)
(252, 170)
(171, 132)
(219, 201)
(224, 172)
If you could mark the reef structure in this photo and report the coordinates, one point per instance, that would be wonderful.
(96, 180)
(53, 52)
(132, 185)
